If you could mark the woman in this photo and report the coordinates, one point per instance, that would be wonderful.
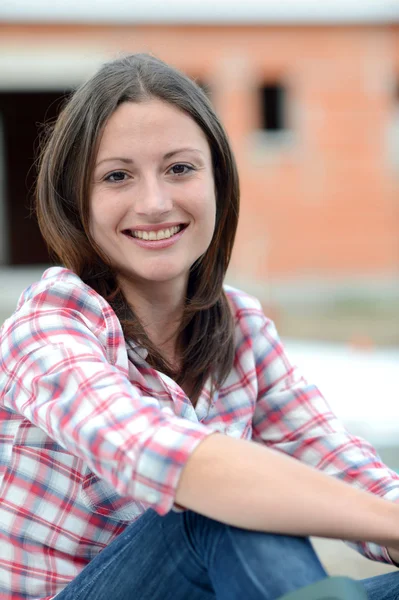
(122, 370)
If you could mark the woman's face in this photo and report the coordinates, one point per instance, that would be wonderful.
(152, 202)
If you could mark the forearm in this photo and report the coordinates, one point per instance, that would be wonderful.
(247, 485)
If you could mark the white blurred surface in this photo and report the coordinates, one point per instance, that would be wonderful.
(205, 11)
(361, 386)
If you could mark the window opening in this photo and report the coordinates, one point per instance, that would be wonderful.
(273, 117)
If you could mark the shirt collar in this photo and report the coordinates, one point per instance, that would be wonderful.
(140, 350)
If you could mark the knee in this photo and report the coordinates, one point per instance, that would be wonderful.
(287, 551)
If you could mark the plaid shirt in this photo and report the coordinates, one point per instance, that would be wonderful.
(91, 435)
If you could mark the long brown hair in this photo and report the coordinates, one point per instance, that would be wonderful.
(206, 335)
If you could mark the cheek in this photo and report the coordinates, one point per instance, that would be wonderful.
(212, 212)
(212, 221)
(95, 226)
(94, 211)
(101, 217)
(207, 204)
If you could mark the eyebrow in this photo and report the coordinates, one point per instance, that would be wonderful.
(129, 161)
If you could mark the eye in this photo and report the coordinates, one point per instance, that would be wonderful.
(116, 177)
(181, 169)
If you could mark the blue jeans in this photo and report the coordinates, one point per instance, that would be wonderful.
(184, 556)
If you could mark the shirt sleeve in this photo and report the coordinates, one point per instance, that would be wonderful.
(293, 417)
(57, 370)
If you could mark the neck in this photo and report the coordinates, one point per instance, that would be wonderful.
(159, 307)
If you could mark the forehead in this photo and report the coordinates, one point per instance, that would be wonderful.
(149, 125)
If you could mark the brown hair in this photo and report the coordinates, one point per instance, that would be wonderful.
(206, 336)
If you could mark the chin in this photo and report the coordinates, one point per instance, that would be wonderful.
(163, 272)
(164, 277)
(160, 275)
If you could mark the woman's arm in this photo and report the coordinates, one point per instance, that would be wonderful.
(247, 485)
(64, 368)
(292, 416)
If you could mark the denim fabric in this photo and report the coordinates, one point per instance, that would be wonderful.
(184, 556)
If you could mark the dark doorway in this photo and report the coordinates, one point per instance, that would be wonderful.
(23, 114)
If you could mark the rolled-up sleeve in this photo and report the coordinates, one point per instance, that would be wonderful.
(57, 371)
(292, 416)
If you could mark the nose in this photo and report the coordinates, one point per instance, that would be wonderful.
(153, 198)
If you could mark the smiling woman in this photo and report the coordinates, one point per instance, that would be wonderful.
(145, 153)
(147, 410)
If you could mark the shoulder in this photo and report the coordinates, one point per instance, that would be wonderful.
(240, 300)
(61, 303)
(247, 310)
(61, 289)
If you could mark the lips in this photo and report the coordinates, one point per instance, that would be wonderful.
(158, 233)
(136, 236)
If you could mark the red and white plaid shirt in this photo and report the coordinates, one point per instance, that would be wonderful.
(91, 435)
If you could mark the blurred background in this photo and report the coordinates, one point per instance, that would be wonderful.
(309, 94)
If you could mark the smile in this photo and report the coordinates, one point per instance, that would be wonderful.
(161, 234)
(159, 238)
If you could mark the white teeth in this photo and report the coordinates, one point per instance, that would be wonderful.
(162, 234)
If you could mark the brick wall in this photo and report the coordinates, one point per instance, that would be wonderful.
(319, 199)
